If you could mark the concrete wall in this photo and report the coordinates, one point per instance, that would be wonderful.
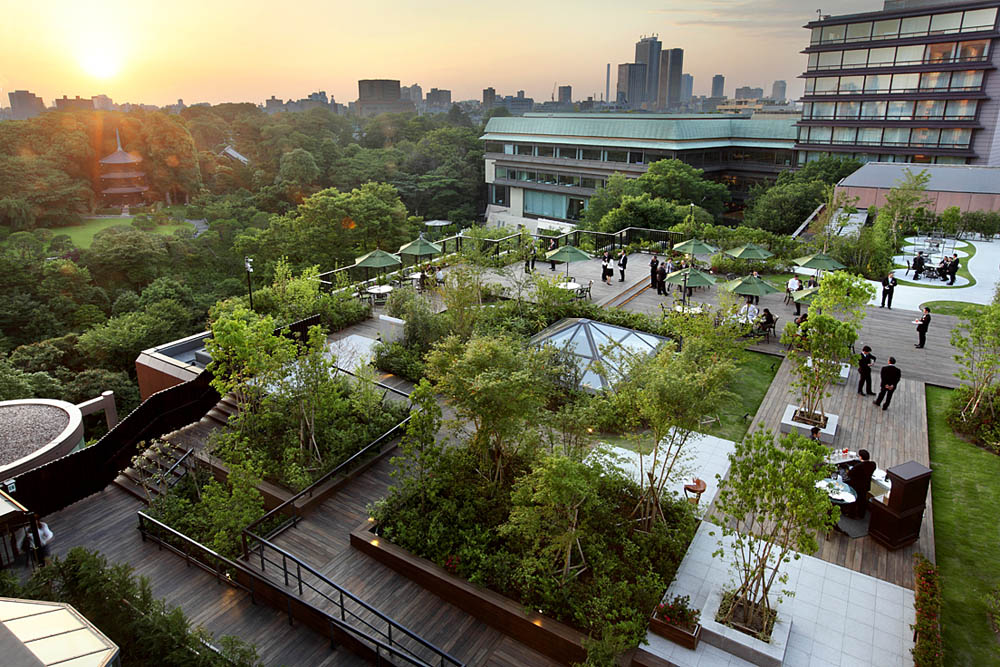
(517, 201)
(491, 170)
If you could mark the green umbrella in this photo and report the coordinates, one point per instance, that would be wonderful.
(750, 286)
(749, 251)
(819, 261)
(689, 277)
(377, 259)
(694, 247)
(805, 296)
(420, 247)
(568, 254)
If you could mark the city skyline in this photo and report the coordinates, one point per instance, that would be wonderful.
(250, 51)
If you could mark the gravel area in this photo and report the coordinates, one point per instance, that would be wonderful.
(25, 428)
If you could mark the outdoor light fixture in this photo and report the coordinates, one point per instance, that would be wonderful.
(248, 262)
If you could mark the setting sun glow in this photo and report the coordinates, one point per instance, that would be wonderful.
(100, 63)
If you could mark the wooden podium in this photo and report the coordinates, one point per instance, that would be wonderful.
(896, 518)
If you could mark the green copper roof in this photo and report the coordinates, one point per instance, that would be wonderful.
(660, 131)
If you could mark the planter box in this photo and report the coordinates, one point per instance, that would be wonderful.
(551, 638)
(845, 372)
(827, 434)
(678, 635)
(740, 644)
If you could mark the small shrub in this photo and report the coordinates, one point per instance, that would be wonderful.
(981, 427)
(928, 651)
(399, 359)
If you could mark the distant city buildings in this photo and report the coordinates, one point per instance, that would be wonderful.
(748, 93)
(915, 82)
(718, 86)
(104, 103)
(648, 52)
(565, 95)
(24, 105)
(687, 88)
(438, 99)
(778, 91)
(632, 84)
(75, 104)
(317, 100)
(489, 98)
(413, 93)
(671, 73)
(378, 96)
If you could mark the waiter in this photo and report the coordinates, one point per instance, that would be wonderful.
(888, 287)
(922, 324)
(859, 477)
(890, 376)
(865, 364)
(653, 265)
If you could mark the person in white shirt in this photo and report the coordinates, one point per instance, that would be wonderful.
(748, 313)
(794, 285)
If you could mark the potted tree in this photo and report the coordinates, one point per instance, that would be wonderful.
(674, 619)
(769, 511)
(821, 346)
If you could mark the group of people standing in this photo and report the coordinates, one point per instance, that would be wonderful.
(608, 262)
(889, 378)
(659, 270)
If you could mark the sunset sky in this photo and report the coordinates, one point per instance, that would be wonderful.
(227, 50)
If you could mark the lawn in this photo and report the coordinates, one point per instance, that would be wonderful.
(956, 308)
(83, 235)
(963, 271)
(752, 381)
(966, 494)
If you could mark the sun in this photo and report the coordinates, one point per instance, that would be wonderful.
(100, 63)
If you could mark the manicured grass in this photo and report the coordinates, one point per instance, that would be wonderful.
(963, 271)
(83, 235)
(956, 308)
(966, 494)
(752, 381)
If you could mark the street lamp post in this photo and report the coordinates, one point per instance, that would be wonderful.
(248, 262)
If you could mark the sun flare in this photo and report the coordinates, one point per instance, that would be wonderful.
(101, 63)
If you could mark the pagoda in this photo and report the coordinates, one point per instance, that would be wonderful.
(122, 179)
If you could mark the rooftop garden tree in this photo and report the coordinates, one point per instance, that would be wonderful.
(768, 511)
(976, 404)
(664, 398)
(823, 342)
(904, 200)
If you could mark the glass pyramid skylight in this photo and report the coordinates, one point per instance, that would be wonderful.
(588, 341)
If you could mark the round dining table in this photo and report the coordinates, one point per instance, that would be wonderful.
(840, 492)
(379, 289)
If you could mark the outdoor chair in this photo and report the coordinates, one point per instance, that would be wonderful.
(908, 268)
(771, 330)
(788, 295)
(694, 490)
(585, 292)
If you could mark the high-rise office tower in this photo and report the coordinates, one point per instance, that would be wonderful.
(25, 105)
(632, 84)
(718, 86)
(687, 88)
(647, 52)
(607, 84)
(778, 90)
(565, 94)
(914, 82)
(671, 71)
(489, 98)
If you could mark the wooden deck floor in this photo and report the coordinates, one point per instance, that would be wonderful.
(107, 522)
(894, 436)
(323, 540)
(888, 332)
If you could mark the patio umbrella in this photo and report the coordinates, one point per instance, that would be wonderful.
(819, 261)
(805, 296)
(694, 247)
(420, 247)
(749, 251)
(749, 286)
(437, 225)
(378, 259)
(689, 277)
(568, 254)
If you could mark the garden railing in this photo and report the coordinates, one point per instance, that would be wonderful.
(356, 625)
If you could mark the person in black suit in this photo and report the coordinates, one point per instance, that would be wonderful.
(661, 279)
(622, 263)
(953, 269)
(859, 477)
(922, 324)
(918, 264)
(552, 262)
(889, 377)
(888, 287)
(865, 364)
(654, 264)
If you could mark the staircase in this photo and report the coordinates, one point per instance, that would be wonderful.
(153, 472)
(223, 410)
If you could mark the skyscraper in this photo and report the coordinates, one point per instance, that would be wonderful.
(489, 98)
(671, 70)
(718, 86)
(632, 84)
(647, 52)
(687, 88)
(565, 94)
(778, 90)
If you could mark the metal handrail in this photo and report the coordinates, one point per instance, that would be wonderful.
(172, 468)
(339, 596)
(216, 564)
(309, 490)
